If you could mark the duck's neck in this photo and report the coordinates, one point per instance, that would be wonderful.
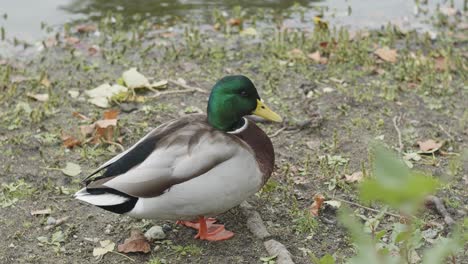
(223, 117)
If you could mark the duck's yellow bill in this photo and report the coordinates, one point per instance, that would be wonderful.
(264, 111)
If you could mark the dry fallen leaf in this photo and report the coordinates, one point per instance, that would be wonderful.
(317, 57)
(87, 130)
(355, 177)
(69, 141)
(248, 32)
(45, 81)
(105, 127)
(72, 40)
(235, 21)
(429, 146)
(134, 79)
(315, 207)
(441, 63)
(80, 116)
(85, 28)
(71, 169)
(105, 247)
(38, 97)
(111, 114)
(93, 50)
(46, 211)
(135, 243)
(333, 203)
(448, 11)
(296, 54)
(101, 95)
(387, 54)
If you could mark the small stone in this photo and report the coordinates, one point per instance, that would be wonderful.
(166, 228)
(155, 233)
(156, 248)
(51, 221)
(108, 229)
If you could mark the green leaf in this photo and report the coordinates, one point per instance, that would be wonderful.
(327, 259)
(58, 237)
(71, 169)
(394, 184)
(268, 259)
(444, 248)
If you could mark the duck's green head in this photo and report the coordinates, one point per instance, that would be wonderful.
(233, 97)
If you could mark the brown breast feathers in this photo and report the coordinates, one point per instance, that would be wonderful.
(262, 147)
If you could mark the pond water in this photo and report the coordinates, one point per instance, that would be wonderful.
(23, 18)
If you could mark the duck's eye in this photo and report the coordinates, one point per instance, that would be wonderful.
(243, 93)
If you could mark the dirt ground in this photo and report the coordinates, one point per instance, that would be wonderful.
(336, 107)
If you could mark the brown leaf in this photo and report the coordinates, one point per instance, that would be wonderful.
(235, 21)
(168, 34)
(317, 57)
(72, 40)
(355, 177)
(87, 130)
(86, 28)
(93, 50)
(106, 123)
(315, 207)
(387, 54)
(80, 116)
(135, 243)
(45, 81)
(70, 141)
(429, 145)
(441, 63)
(111, 114)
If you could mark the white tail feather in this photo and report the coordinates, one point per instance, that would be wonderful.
(105, 199)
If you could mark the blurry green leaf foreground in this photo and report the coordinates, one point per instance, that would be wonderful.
(394, 185)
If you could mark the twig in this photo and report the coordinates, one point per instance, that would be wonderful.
(396, 120)
(123, 255)
(440, 208)
(446, 132)
(277, 132)
(187, 87)
(115, 144)
(367, 208)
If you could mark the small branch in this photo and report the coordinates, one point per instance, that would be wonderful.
(367, 208)
(396, 120)
(123, 255)
(115, 144)
(187, 87)
(277, 132)
(440, 208)
(446, 132)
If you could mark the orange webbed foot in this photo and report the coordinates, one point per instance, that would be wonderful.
(208, 230)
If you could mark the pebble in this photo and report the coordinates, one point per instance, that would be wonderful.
(51, 220)
(155, 233)
(108, 229)
(166, 228)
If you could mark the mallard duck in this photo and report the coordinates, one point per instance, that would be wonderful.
(193, 167)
